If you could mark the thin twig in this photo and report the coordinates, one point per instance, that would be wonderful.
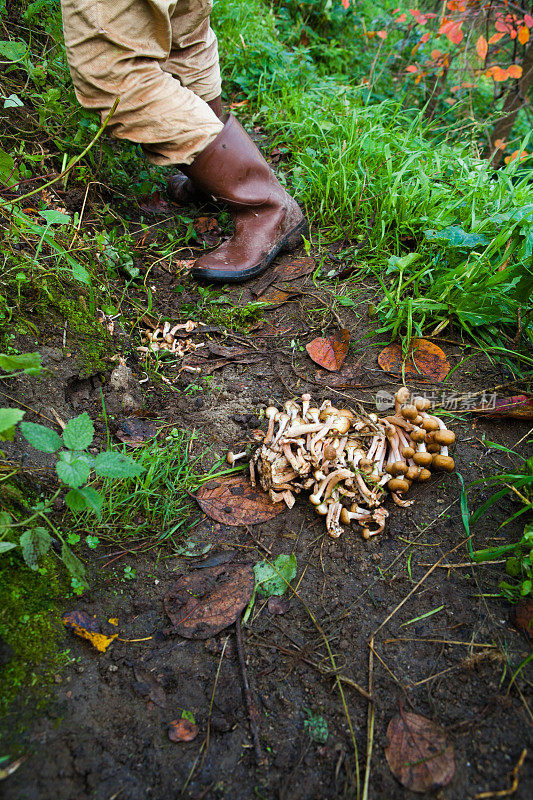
(514, 785)
(370, 721)
(252, 711)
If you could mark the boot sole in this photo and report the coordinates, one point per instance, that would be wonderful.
(289, 242)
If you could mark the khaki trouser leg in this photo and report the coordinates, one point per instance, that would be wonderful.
(117, 48)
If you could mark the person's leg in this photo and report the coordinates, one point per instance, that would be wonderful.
(117, 50)
(193, 60)
(267, 220)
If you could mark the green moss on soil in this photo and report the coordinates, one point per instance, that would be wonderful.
(33, 639)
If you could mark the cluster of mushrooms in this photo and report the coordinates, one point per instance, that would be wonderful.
(166, 337)
(348, 461)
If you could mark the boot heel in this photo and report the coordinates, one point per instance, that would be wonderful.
(294, 239)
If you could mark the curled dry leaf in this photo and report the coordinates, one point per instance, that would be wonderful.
(182, 730)
(331, 352)
(203, 603)
(235, 502)
(418, 754)
(82, 624)
(522, 617)
(289, 271)
(424, 358)
(154, 204)
(135, 432)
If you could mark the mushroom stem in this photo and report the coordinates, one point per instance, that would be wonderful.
(231, 457)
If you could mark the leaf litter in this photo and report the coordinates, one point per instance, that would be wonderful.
(82, 624)
(419, 754)
(330, 352)
(234, 501)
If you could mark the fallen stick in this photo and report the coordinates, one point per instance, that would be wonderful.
(370, 721)
(252, 711)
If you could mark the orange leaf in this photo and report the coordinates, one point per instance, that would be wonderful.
(523, 35)
(382, 34)
(424, 358)
(425, 37)
(496, 38)
(182, 730)
(87, 627)
(345, 3)
(500, 144)
(402, 18)
(411, 68)
(482, 48)
(234, 501)
(419, 754)
(497, 74)
(331, 352)
(436, 54)
(514, 71)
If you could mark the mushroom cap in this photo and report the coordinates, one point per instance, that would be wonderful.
(327, 411)
(397, 468)
(330, 452)
(322, 509)
(409, 412)
(413, 473)
(423, 459)
(345, 412)
(341, 424)
(418, 435)
(407, 452)
(365, 465)
(270, 411)
(433, 448)
(424, 475)
(430, 424)
(345, 517)
(444, 437)
(398, 485)
(402, 395)
(443, 463)
(422, 403)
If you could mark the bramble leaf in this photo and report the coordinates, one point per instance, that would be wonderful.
(79, 432)
(44, 439)
(116, 465)
(35, 543)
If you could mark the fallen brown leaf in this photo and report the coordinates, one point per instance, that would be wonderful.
(201, 604)
(331, 352)
(182, 730)
(424, 358)
(297, 268)
(154, 204)
(235, 501)
(418, 753)
(135, 432)
(85, 626)
(522, 617)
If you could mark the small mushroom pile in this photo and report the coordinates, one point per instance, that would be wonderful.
(166, 337)
(348, 461)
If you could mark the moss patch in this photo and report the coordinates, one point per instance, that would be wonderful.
(32, 636)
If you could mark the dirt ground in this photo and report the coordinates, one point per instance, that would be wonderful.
(103, 733)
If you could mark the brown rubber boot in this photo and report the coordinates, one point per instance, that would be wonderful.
(180, 189)
(267, 219)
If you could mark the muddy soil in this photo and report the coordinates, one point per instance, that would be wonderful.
(103, 734)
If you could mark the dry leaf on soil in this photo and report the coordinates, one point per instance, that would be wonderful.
(331, 352)
(522, 617)
(182, 730)
(82, 624)
(208, 230)
(289, 271)
(135, 432)
(276, 297)
(201, 604)
(424, 358)
(419, 755)
(154, 204)
(235, 501)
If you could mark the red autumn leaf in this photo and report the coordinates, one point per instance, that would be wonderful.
(203, 603)
(436, 54)
(182, 730)
(522, 617)
(411, 68)
(418, 754)
(402, 18)
(234, 501)
(425, 359)
(523, 35)
(331, 352)
(528, 20)
(345, 3)
(514, 71)
(425, 37)
(382, 34)
(482, 48)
